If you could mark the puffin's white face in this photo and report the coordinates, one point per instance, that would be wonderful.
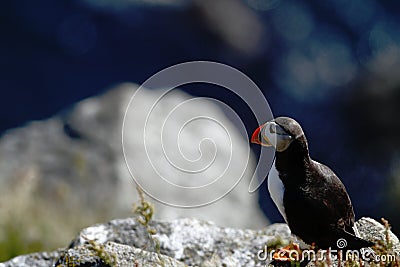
(271, 134)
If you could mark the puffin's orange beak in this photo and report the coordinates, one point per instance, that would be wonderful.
(256, 137)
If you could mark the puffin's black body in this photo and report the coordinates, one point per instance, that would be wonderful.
(316, 204)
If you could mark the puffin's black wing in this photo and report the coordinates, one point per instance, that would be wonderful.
(335, 205)
(321, 211)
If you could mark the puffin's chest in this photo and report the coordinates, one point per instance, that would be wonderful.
(285, 198)
(276, 190)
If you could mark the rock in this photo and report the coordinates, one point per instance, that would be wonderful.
(372, 230)
(181, 242)
(96, 255)
(40, 259)
(190, 240)
(113, 254)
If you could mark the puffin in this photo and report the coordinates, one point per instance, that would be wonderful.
(309, 195)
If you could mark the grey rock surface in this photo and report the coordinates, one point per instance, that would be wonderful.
(190, 240)
(114, 254)
(181, 242)
(40, 259)
(370, 229)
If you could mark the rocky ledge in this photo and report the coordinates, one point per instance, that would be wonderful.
(181, 242)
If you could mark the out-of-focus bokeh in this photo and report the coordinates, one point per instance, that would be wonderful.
(332, 65)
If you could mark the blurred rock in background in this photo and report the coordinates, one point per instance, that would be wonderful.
(60, 174)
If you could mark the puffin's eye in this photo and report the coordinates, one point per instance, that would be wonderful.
(272, 128)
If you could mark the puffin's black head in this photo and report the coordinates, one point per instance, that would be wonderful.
(280, 133)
